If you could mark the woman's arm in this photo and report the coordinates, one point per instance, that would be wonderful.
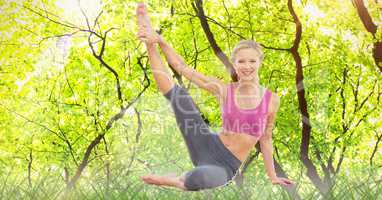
(147, 35)
(211, 84)
(266, 140)
(267, 146)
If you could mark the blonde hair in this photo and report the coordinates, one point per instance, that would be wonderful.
(247, 44)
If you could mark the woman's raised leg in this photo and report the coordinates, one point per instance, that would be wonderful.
(193, 128)
(145, 33)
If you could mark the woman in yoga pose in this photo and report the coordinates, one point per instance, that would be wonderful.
(248, 113)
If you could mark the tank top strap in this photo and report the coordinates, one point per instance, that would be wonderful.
(228, 98)
(267, 99)
(230, 94)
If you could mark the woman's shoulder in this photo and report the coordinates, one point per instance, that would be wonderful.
(274, 100)
(272, 93)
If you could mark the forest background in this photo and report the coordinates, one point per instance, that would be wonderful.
(81, 118)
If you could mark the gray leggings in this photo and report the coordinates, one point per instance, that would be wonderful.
(214, 163)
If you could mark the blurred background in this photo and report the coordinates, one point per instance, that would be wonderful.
(81, 116)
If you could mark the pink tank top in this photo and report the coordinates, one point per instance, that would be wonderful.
(250, 121)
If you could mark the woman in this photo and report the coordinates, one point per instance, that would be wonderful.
(248, 113)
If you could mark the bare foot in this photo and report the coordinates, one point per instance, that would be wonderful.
(145, 32)
(142, 16)
(153, 179)
(168, 180)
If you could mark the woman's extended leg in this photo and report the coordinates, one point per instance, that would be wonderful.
(164, 82)
(194, 130)
(161, 75)
(163, 79)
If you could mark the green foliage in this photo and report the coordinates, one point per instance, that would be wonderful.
(56, 96)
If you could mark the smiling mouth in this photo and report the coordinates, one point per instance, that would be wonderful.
(246, 72)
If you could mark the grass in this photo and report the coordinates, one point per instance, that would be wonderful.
(362, 185)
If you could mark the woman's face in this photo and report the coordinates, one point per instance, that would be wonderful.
(247, 64)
